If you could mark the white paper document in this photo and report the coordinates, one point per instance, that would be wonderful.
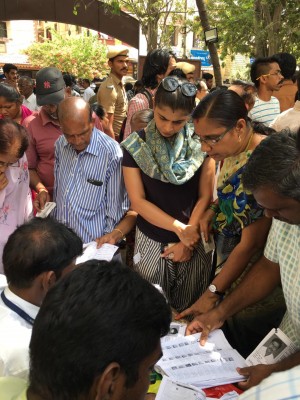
(47, 209)
(171, 390)
(105, 252)
(184, 360)
(275, 347)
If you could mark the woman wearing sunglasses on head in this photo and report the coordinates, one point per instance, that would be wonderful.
(170, 183)
(229, 137)
(15, 198)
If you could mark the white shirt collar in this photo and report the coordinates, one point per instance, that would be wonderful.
(29, 308)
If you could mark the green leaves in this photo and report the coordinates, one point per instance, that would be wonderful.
(248, 26)
(82, 56)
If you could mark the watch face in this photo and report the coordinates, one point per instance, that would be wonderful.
(212, 288)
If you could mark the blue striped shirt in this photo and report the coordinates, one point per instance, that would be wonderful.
(90, 210)
(265, 111)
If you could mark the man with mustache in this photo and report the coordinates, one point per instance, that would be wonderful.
(11, 75)
(266, 75)
(112, 95)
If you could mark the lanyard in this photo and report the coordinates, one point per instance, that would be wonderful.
(17, 309)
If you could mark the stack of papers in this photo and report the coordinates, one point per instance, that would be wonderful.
(184, 360)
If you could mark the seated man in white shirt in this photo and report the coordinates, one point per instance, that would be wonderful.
(34, 257)
(96, 337)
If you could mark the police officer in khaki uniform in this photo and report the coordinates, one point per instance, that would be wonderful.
(112, 95)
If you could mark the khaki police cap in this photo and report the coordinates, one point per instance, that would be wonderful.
(186, 67)
(114, 51)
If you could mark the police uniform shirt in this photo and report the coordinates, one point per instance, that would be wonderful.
(112, 96)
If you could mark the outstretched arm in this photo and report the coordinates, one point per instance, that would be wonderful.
(253, 238)
(260, 281)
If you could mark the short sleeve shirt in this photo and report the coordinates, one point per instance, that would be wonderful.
(265, 111)
(112, 96)
(283, 248)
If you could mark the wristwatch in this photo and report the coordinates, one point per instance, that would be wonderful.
(212, 288)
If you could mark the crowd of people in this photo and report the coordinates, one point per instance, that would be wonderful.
(204, 184)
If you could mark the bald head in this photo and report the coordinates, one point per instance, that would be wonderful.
(75, 118)
(74, 108)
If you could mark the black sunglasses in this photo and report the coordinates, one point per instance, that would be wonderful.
(171, 84)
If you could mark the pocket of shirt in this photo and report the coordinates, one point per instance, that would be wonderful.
(90, 196)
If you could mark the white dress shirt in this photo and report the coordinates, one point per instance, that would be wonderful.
(15, 334)
(30, 102)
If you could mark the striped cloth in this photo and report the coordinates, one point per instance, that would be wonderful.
(90, 210)
(265, 111)
(279, 386)
(283, 248)
(183, 283)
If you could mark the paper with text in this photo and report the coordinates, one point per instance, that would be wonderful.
(171, 390)
(184, 360)
(105, 252)
(275, 347)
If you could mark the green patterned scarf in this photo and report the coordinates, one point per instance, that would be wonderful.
(173, 160)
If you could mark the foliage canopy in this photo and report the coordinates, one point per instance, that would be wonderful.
(82, 56)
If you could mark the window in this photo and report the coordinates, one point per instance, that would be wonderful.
(3, 29)
(2, 47)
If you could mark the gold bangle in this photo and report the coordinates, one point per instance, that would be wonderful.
(119, 230)
(42, 190)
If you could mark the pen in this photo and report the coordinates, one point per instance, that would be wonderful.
(94, 182)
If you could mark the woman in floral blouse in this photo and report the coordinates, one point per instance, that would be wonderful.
(15, 198)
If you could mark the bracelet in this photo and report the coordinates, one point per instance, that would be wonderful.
(119, 230)
(42, 190)
(214, 208)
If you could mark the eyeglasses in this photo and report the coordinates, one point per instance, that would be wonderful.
(277, 73)
(8, 164)
(213, 142)
(171, 84)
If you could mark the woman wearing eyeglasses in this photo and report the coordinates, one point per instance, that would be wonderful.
(229, 137)
(170, 183)
(11, 104)
(15, 199)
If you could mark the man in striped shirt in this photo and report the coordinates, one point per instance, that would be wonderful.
(89, 189)
(266, 75)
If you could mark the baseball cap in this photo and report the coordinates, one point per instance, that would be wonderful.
(50, 86)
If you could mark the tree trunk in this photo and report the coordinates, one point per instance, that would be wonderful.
(259, 39)
(152, 31)
(152, 35)
(211, 46)
(274, 26)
